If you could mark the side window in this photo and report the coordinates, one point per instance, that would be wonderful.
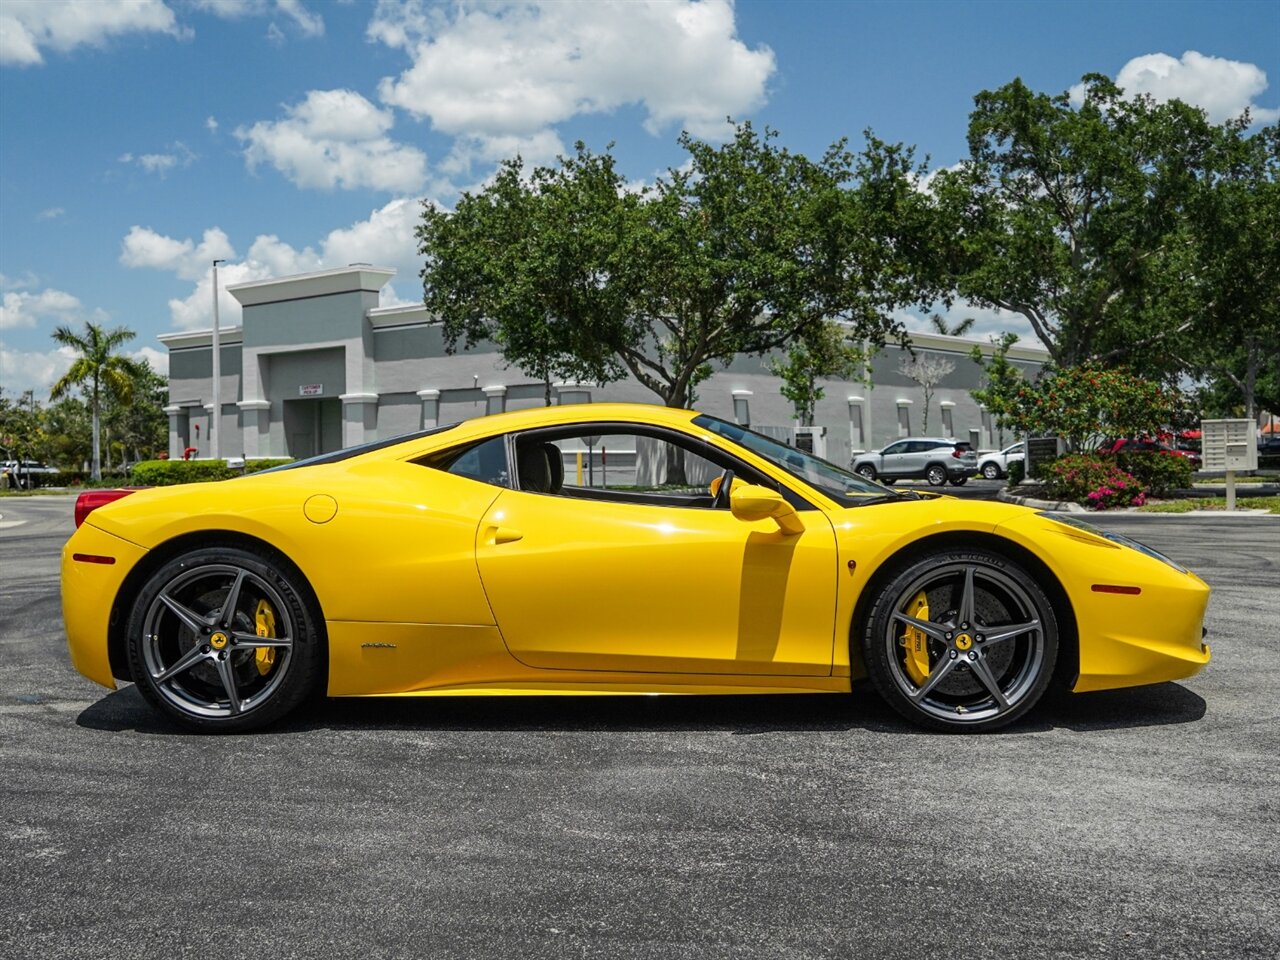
(613, 464)
(895, 448)
(486, 462)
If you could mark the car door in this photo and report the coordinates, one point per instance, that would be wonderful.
(895, 460)
(617, 577)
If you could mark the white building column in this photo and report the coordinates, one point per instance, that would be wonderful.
(177, 430)
(904, 417)
(359, 418)
(742, 407)
(255, 421)
(857, 425)
(495, 399)
(430, 409)
(948, 418)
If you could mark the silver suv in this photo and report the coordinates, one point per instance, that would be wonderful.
(936, 459)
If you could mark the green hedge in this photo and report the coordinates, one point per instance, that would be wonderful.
(1158, 472)
(164, 473)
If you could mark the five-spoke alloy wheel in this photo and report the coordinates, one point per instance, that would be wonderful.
(220, 639)
(961, 640)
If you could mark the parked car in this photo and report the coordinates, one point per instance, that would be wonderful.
(474, 559)
(936, 459)
(24, 475)
(993, 466)
(1129, 445)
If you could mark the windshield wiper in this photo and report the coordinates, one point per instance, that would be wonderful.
(886, 498)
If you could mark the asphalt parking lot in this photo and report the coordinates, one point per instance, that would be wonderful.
(1140, 823)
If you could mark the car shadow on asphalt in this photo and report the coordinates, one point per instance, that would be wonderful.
(1158, 705)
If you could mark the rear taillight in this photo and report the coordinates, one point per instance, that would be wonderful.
(91, 500)
(958, 454)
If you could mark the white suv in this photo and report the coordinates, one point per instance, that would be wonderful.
(936, 459)
(993, 466)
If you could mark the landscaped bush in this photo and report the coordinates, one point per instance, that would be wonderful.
(164, 473)
(1093, 481)
(1017, 470)
(1158, 472)
(266, 463)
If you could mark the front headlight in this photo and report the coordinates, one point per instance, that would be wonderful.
(1071, 521)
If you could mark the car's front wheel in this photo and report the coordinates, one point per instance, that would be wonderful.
(866, 471)
(222, 639)
(990, 471)
(961, 639)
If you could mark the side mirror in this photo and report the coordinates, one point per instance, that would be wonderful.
(751, 503)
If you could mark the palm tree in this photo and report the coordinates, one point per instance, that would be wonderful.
(98, 370)
(959, 330)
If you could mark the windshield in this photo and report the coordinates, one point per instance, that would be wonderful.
(843, 486)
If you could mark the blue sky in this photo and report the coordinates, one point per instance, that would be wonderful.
(141, 138)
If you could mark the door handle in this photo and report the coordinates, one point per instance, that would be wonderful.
(497, 535)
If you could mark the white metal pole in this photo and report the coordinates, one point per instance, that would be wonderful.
(215, 433)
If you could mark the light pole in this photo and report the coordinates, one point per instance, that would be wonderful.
(215, 427)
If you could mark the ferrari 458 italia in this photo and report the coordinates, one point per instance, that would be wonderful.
(606, 548)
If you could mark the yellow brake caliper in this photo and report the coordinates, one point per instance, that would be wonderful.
(265, 618)
(916, 641)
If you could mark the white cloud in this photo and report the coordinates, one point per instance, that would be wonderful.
(143, 247)
(385, 239)
(23, 309)
(308, 24)
(28, 279)
(211, 124)
(539, 149)
(516, 68)
(158, 359)
(22, 370)
(52, 213)
(179, 155)
(28, 27)
(1223, 88)
(335, 138)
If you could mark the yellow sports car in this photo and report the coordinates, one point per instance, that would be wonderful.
(606, 548)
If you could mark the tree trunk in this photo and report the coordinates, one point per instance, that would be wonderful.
(97, 450)
(675, 456)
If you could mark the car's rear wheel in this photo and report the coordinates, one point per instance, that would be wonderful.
(961, 640)
(990, 471)
(866, 471)
(936, 475)
(959, 481)
(222, 639)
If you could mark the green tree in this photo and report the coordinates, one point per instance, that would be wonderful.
(740, 251)
(1001, 381)
(99, 371)
(959, 329)
(68, 429)
(531, 265)
(1076, 217)
(22, 435)
(1085, 403)
(1233, 270)
(823, 351)
(139, 428)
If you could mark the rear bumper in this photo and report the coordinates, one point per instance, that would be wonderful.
(89, 589)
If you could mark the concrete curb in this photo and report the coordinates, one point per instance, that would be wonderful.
(1066, 506)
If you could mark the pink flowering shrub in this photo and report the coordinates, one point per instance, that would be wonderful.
(1092, 481)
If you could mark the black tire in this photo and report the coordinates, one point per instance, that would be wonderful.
(936, 474)
(991, 472)
(983, 671)
(209, 670)
(959, 481)
(867, 472)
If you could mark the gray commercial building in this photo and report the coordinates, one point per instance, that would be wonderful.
(317, 365)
